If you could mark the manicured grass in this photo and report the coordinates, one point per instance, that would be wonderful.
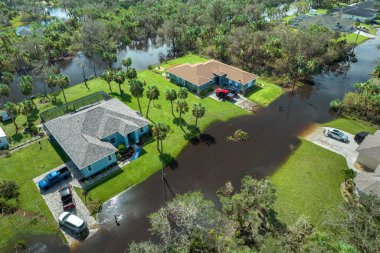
(308, 184)
(371, 28)
(322, 11)
(190, 58)
(265, 92)
(351, 126)
(22, 167)
(351, 38)
(288, 18)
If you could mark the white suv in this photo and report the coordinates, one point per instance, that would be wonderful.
(72, 222)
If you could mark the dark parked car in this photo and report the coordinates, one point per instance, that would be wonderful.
(359, 138)
(337, 135)
(232, 90)
(67, 198)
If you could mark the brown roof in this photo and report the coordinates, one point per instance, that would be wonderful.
(371, 146)
(201, 73)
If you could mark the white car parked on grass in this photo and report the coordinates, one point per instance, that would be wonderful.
(72, 222)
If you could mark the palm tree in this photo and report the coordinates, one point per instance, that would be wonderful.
(26, 85)
(7, 77)
(13, 111)
(183, 93)
(198, 112)
(152, 93)
(63, 82)
(131, 73)
(127, 62)
(52, 84)
(182, 108)
(119, 78)
(110, 58)
(26, 107)
(171, 95)
(108, 76)
(137, 90)
(4, 91)
(160, 132)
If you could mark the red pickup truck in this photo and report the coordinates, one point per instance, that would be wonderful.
(67, 198)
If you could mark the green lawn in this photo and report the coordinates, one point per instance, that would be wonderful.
(351, 38)
(371, 28)
(351, 126)
(30, 162)
(288, 18)
(190, 58)
(23, 166)
(322, 11)
(265, 92)
(308, 184)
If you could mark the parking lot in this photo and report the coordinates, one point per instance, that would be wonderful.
(53, 201)
(347, 150)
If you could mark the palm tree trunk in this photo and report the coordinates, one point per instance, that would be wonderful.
(138, 102)
(147, 110)
(162, 148)
(172, 108)
(14, 122)
(109, 85)
(158, 145)
(121, 92)
(64, 96)
(196, 121)
(180, 117)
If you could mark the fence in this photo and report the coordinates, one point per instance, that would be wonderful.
(73, 106)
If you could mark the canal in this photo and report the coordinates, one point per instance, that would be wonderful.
(206, 166)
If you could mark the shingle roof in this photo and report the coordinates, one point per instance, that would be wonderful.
(363, 9)
(201, 73)
(371, 146)
(367, 183)
(80, 134)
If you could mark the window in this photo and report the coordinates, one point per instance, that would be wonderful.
(109, 158)
(89, 168)
(112, 139)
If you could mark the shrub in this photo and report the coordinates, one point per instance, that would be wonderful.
(335, 104)
(9, 189)
(122, 149)
(150, 67)
(239, 135)
(7, 206)
(20, 245)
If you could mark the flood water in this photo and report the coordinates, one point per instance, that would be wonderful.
(206, 166)
(209, 164)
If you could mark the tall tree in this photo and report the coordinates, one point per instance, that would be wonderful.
(110, 58)
(198, 112)
(171, 95)
(108, 76)
(26, 85)
(182, 107)
(4, 91)
(119, 78)
(160, 132)
(63, 82)
(127, 62)
(52, 84)
(183, 93)
(152, 93)
(137, 90)
(13, 111)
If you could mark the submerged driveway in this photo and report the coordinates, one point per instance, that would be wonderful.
(348, 150)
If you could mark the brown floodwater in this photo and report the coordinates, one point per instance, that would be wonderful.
(207, 165)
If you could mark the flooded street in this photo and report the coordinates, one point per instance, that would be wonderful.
(208, 165)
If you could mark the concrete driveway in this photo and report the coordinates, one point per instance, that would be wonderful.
(347, 150)
(238, 100)
(53, 201)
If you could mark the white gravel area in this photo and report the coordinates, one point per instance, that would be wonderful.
(53, 201)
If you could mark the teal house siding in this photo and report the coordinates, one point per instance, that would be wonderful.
(99, 165)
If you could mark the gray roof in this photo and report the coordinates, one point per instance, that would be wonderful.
(363, 9)
(368, 183)
(371, 146)
(80, 134)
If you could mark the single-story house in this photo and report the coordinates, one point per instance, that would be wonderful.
(369, 152)
(201, 76)
(333, 23)
(3, 139)
(90, 136)
(363, 11)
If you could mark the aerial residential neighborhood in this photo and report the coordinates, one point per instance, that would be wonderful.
(190, 126)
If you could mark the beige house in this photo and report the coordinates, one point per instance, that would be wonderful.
(369, 152)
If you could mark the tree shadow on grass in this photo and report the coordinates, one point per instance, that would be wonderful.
(125, 97)
(57, 102)
(17, 137)
(169, 161)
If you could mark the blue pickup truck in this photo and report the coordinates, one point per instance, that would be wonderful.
(54, 177)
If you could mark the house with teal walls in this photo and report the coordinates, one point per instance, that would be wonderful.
(90, 136)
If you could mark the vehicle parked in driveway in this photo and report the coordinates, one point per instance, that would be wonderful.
(359, 137)
(233, 91)
(67, 199)
(72, 222)
(223, 94)
(337, 135)
(53, 178)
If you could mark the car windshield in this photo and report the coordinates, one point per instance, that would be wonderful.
(339, 133)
